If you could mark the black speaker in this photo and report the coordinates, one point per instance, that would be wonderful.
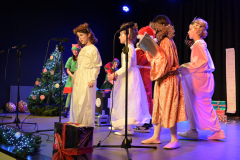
(102, 101)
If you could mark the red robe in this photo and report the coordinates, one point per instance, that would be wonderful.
(144, 68)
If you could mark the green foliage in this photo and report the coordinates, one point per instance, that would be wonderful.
(41, 101)
(23, 144)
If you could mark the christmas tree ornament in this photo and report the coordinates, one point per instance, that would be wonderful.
(42, 97)
(34, 97)
(37, 83)
(57, 85)
(22, 107)
(52, 72)
(44, 70)
(51, 57)
(24, 103)
(10, 107)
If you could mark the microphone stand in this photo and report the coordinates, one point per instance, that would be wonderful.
(17, 121)
(126, 143)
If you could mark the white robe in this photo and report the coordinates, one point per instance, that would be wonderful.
(83, 98)
(198, 88)
(138, 113)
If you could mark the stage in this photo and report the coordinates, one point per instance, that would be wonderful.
(190, 149)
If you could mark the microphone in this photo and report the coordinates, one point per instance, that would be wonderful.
(2, 51)
(188, 42)
(129, 25)
(17, 47)
(60, 39)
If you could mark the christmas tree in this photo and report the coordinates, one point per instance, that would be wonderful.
(45, 97)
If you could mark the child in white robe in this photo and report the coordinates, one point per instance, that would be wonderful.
(137, 98)
(82, 108)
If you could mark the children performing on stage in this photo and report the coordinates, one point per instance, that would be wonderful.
(198, 85)
(168, 106)
(71, 66)
(110, 68)
(82, 108)
(138, 113)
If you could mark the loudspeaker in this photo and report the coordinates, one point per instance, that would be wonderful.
(102, 102)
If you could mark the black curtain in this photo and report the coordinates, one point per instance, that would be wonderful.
(223, 19)
(35, 22)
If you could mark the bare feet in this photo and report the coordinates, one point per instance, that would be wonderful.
(151, 141)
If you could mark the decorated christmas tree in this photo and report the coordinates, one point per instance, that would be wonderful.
(45, 97)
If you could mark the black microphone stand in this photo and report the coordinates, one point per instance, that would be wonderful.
(126, 143)
(17, 121)
(61, 49)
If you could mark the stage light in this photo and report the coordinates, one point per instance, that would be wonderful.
(125, 8)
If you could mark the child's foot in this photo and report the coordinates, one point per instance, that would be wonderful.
(191, 134)
(217, 135)
(150, 126)
(114, 128)
(65, 112)
(151, 141)
(142, 129)
(122, 132)
(172, 145)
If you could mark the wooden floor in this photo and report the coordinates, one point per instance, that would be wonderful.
(203, 149)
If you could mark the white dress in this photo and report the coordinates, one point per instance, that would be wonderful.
(138, 113)
(83, 98)
(198, 88)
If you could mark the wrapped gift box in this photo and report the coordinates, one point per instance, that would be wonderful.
(219, 106)
(222, 118)
(220, 112)
(72, 142)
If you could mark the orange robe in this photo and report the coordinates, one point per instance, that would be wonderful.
(168, 106)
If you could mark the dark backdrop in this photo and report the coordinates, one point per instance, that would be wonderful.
(35, 22)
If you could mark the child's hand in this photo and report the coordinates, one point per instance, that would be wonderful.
(111, 81)
(149, 56)
(90, 85)
(178, 70)
(110, 77)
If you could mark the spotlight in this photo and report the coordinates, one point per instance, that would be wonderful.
(125, 8)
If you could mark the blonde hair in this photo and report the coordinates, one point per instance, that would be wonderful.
(132, 32)
(202, 27)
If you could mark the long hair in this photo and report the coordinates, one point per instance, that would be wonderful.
(83, 28)
(163, 27)
(132, 32)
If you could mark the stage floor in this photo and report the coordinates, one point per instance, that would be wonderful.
(203, 149)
